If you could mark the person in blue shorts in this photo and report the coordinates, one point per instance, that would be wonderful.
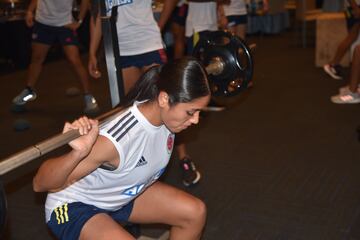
(54, 23)
(233, 16)
(110, 174)
(139, 36)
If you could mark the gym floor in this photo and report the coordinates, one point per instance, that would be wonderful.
(282, 162)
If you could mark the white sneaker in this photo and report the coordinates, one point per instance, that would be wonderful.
(25, 96)
(347, 98)
(332, 71)
(91, 105)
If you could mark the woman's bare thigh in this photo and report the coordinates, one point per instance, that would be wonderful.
(162, 203)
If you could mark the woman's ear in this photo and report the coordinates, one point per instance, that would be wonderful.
(163, 99)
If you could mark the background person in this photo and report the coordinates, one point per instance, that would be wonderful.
(201, 19)
(352, 14)
(233, 16)
(139, 36)
(54, 23)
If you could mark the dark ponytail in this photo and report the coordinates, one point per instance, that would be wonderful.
(183, 80)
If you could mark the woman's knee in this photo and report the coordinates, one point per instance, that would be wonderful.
(195, 212)
(37, 58)
(201, 211)
(73, 55)
(75, 60)
(38, 53)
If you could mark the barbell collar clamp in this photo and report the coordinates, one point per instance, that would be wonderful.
(216, 66)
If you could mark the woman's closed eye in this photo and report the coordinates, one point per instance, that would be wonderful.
(190, 113)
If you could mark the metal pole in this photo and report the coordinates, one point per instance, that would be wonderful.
(112, 53)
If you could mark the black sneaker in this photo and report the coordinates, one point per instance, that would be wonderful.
(190, 175)
(214, 107)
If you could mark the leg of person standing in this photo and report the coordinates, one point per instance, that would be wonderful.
(39, 52)
(352, 14)
(54, 23)
(42, 40)
(332, 68)
(178, 19)
(233, 17)
(70, 45)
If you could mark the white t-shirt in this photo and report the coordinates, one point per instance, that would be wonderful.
(55, 13)
(138, 32)
(144, 151)
(202, 16)
(236, 7)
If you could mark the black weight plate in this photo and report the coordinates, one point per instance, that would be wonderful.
(234, 53)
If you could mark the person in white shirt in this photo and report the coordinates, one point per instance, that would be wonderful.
(233, 16)
(110, 175)
(54, 23)
(139, 36)
(201, 20)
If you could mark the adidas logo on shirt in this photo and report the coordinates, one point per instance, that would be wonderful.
(141, 162)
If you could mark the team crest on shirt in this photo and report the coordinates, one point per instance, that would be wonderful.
(170, 143)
